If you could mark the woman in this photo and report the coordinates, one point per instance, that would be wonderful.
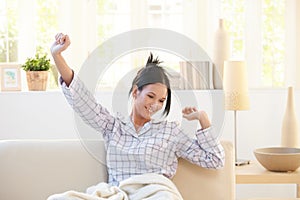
(136, 144)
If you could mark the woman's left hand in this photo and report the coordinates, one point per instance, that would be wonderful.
(192, 113)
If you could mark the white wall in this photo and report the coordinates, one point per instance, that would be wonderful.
(46, 115)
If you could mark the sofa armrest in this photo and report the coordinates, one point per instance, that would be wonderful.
(196, 183)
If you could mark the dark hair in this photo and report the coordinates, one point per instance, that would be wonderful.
(153, 73)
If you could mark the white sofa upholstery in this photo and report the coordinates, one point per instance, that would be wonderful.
(35, 169)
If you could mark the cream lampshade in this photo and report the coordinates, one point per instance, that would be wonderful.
(235, 85)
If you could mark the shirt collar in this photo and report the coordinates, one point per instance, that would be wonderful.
(126, 119)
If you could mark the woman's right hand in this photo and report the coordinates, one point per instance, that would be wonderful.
(60, 44)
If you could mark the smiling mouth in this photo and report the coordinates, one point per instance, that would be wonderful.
(153, 109)
(150, 110)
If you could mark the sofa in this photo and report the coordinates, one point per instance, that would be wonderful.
(35, 169)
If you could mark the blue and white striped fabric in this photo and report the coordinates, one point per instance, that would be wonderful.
(155, 148)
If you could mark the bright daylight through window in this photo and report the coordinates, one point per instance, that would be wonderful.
(28, 26)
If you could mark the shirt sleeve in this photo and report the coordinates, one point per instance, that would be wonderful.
(205, 151)
(85, 104)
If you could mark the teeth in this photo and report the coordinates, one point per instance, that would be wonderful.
(150, 110)
(153, 108)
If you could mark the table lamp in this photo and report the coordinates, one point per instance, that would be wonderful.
(235, 87)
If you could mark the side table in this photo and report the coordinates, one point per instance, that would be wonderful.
(254, 173)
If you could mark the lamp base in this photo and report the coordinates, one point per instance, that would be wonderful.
(240, 162)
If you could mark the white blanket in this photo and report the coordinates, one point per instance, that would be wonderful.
(146, 186)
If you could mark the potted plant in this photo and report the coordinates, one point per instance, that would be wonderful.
(37, 69)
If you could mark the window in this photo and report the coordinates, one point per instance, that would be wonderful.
(269, 31)
(8, 31)
(27, 27)
(273, 42)
(115, 17)
(165, 14)
(235, 24)
(46, 23)
(263, 32)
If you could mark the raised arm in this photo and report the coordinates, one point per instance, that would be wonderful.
(206, 151)
(60, 44)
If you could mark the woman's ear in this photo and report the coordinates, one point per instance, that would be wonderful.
(134, 91)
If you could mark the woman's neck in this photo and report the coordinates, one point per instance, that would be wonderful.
(137, 121)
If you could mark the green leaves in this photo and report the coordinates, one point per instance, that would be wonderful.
(38, 63)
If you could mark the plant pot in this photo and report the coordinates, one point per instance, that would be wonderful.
(37, 80)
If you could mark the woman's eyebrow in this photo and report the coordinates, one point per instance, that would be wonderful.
(153, 93)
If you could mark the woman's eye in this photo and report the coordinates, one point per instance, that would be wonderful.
(150, 96)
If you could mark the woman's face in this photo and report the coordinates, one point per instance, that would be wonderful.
(149, 100)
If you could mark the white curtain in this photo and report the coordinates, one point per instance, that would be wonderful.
(292, 57)
(78, 19)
